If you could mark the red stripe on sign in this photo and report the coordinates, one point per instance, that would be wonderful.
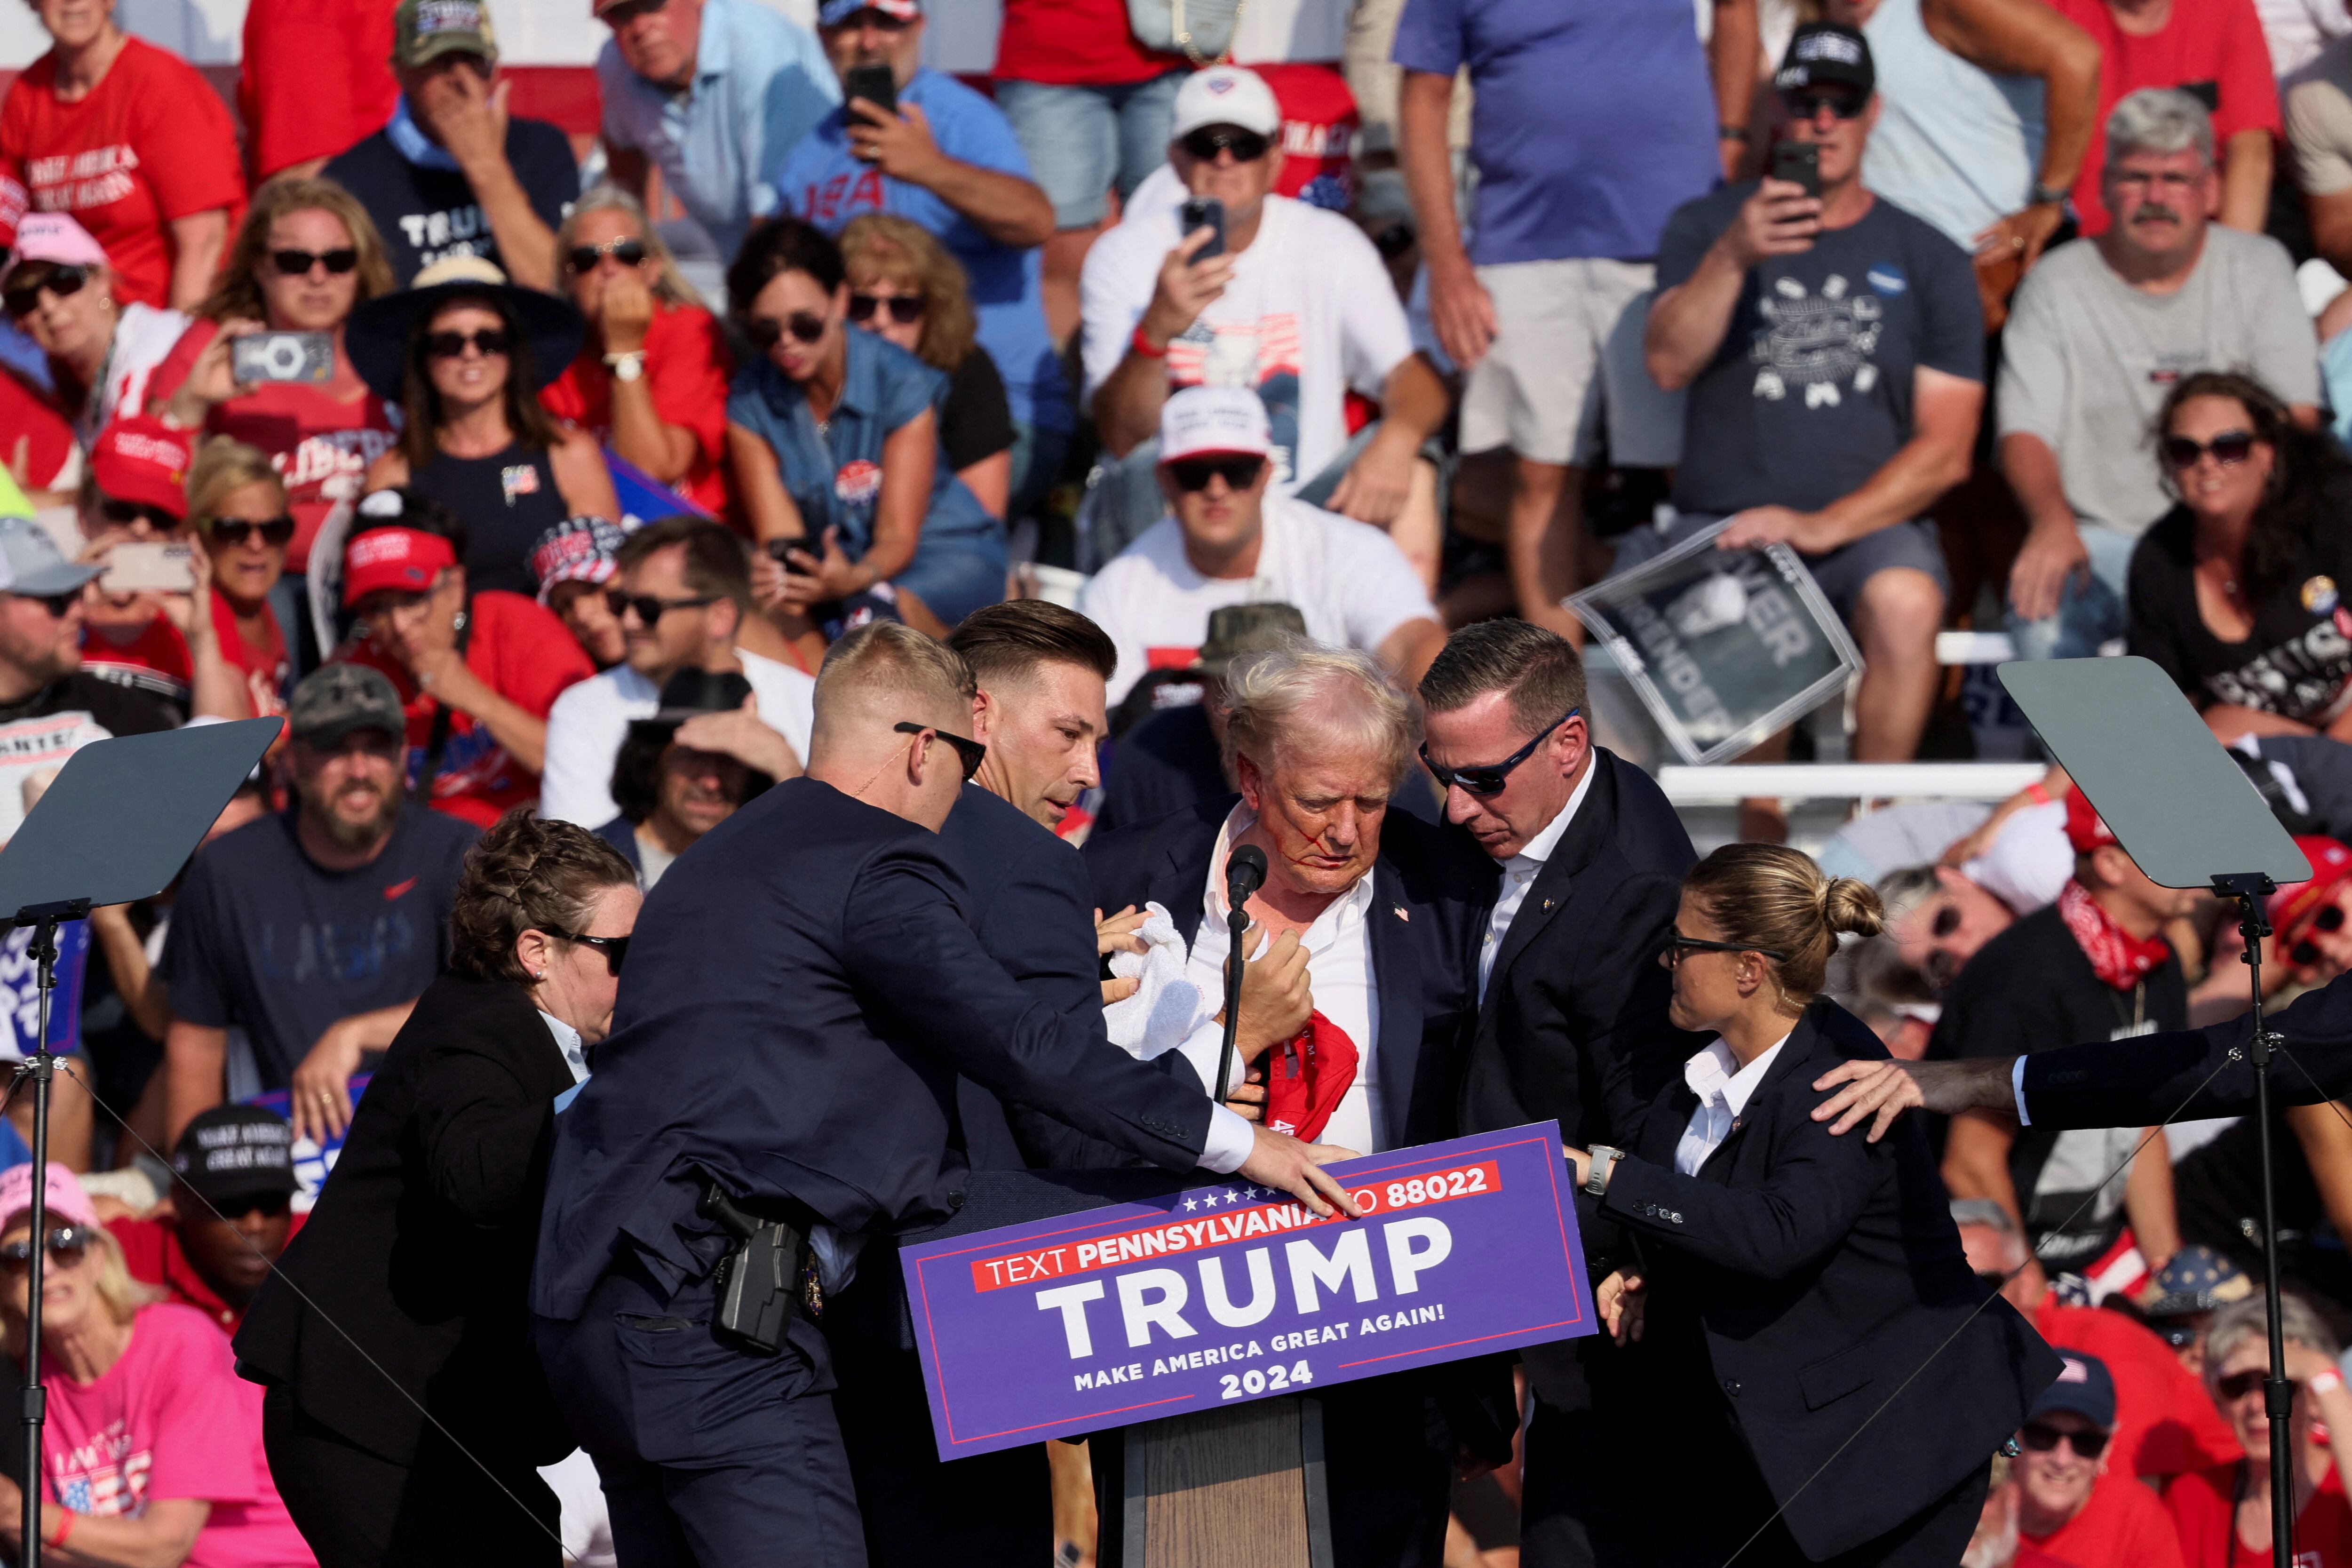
(1214, 1229)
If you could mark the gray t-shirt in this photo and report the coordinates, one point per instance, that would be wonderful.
(2087, 360)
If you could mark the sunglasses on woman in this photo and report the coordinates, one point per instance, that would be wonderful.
(2042, 1438)
(66, 1246)
(905, 309)
(234, 531)
(2229, 449)
(613, 948)
(2330, 919)
(1239, 471)
(492, 340)
(1246, 146)
(766, 332)
(628, 252)
(2239, 1384)
(298, 263)
(125, 514)
(1490, 780)
(25, 294)
(1678, 946)
(969, 751)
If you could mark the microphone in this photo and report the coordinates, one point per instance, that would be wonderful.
(1244, 875)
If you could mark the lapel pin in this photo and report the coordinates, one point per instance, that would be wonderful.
(1547, 903)
(1401, 914)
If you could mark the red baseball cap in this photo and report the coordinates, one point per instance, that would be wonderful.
(2292, 908)
(404, 560)
(2085, 829)
(143, 460)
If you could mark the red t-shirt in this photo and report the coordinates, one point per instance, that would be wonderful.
(152, 143)
(36, 441)
(150, 1250)
(522, 652)
(2211, 48)
(689, 367)
(317, 78)
(2165, 1421)
(265, 668)
(1081, 43)
(2122, 1526)
(2204, 1507)
(320, 439)
(156, 658)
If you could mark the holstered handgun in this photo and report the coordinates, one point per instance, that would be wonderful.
(758, 1280)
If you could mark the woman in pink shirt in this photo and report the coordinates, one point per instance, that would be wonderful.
(152, 1450)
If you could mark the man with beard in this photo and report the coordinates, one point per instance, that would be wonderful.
(302, 935)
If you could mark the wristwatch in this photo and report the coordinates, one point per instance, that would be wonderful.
(627, 366)
(2042, 195)
(1604, 1160)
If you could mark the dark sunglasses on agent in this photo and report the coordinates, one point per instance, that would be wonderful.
(628, 252)
(66, 1246)
(766, 332)
(235, 530)
(1484, 781)
(1239, 470)
(1679, 947)
(905, 309)
(1246, 146)
(970, 752)
(613, 948)
(490, 340)
(2306, 952)
(649, 609)
(298, 263)
(2042, 1438)
(24, 293)
(2229, 448)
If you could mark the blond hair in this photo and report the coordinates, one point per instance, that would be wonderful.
(1772, 899)
(1339, 694)
(225, 465)
(669, 285)
(122, 1297)
(237, 293)
(884, 663)
(881, 248)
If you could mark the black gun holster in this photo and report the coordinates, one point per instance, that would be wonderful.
(759, 1281)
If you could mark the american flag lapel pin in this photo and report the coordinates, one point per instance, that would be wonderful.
(1398, 910)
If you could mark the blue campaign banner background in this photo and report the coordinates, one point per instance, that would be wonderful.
(1234, 1292)
(20, 977)
(312, 1161)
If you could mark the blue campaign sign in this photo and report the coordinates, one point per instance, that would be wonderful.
(1235, 1292)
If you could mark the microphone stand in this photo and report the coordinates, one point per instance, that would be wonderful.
(2278, 1394)
(1236, 927)
(44, 919)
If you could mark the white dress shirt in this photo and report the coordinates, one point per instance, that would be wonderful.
(1338, 966)
(1723, 1087)
(1519, 873)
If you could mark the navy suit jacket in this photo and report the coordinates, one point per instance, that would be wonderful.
(1431, 893)
(796, 1005)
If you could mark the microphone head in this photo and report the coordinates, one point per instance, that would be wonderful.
(1245, 873)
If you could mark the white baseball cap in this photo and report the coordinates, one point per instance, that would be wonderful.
(1202, 421)
(1225, 94)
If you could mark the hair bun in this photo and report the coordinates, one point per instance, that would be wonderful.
(1848, 905)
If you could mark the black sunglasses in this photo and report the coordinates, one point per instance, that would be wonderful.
(1240, 471)
(2330, 919)
(2042, 1438)
(298, 263)
(1678, 946)
(2239, 1384)
(613, 948)
(235, 530)
(765, 333)
(972, 751)
(905, 309)
(1806, 105)
(649, 609)
(26, 292)
(58, 604)
(452, 345)
(1246, 146)
(1490, 780)
(123, 514)
(67, 1243)
(2229, 449)
(628, 252)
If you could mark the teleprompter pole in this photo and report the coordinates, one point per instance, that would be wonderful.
(2278, 1394)
(40, 1066)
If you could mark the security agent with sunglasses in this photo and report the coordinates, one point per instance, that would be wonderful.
(1571, 1016)
(1803, 1327)
(803, 992)
(420, 1245)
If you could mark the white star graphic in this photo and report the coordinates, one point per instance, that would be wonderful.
(1189, 1206)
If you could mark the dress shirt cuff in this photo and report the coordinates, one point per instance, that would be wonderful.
(1203, 1047)
(2017, 1088)
(1230, 1140)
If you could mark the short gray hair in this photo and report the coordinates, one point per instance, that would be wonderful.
(2299, 1321)
(1266, 693)
(1901, 892)
(2160, 120)
(668, 283)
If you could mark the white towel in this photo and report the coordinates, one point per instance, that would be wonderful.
(1167, 1007)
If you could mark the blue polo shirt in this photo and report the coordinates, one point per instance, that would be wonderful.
(828, 184)
(760, 83)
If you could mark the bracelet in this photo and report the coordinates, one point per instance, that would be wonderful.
(65, 1526)
(1732, 133)
(2324, 1383)
(2037, 795)
(1142, 344)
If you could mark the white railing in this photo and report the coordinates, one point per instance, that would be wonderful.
(1847, 781)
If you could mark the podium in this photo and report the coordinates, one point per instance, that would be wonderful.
(1216, 1488)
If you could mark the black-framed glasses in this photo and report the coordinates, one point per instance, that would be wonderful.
(298, 263)
(235, 530)
(628, 252)
(766, 331)
(2040, 1436)
(1808, 105)
(613, 948)
(1490, 780)
(969, 751)
(1678, 946)
(2306, 952)
(59, 604)
(490, 340)
(2229, 448)
(649, 609)
(1238, 469)
(1246, 146)
(905, 309)
(127, 514)
(66, 1246)
(23, 295)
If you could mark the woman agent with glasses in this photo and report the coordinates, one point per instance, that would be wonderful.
(836, 449)
(1812, 1338)
(465, 353)
(420, 1247)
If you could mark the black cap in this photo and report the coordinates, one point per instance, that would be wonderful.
(1824, 54)
(236, 1152)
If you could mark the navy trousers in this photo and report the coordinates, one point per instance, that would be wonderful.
(710, 1456)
